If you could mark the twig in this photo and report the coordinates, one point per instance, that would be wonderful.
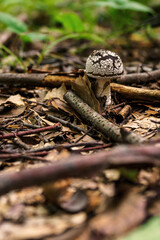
(20, 143)
(65, 123)
(93, 148)
(100, 123)
(33, 131)
(5, 154)
(78, 165)
(17, 119)
(136, 93)
(85, 134)
(68, 146)
(40, 125)
(33, 155)
(24, 154)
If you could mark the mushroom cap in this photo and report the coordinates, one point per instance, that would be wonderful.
(103, 63)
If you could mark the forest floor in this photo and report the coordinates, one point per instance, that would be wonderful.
(61, 176)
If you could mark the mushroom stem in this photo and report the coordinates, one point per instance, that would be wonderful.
(104, 89)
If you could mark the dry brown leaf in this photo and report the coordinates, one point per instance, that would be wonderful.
(40, 227)
(56, 93)
(61, 105)
(82, 87)
(129, 213)
(52, 191)
(16, 100)
(12, 106)
(54, 155)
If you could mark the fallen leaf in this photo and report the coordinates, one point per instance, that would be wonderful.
(82, 87)
(129, 213)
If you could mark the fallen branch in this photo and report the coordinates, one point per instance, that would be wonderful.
(36, 79)
(99, 122)
(55, 80)
(33, 131)
(78, 166)
(136, 93)
(128, 79)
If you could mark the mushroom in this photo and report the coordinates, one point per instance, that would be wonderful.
(103, 65)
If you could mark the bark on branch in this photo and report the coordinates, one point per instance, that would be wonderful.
(78, 166)
(137, 93)
(100, 123)
(54, 80)
(128, 79)
(36, 79)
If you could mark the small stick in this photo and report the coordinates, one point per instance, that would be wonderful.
(24, 154)
(68, 146)
(17, 119)
(5, 154)
(93, 148)
(65, 123)
(78, 165)
(40, 125)
(86, 133)
(33, 131)
(136, 93)
(100, 123)
(124, 112)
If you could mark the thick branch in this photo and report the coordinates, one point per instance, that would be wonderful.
(128, 79)
(54, 80)
(136, 93)
(36, 79)
(78, 165)
(100, 123)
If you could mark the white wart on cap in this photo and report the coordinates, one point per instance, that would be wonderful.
(103, 63)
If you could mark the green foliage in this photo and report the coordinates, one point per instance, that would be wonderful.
(96, 21)
(33, 36)
(122, 5)
(150, 230)
(12, 23)
(71, 22)
(5, 49)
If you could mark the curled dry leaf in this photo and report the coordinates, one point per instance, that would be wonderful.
(82, 87)
(56, 93)
(12, 106)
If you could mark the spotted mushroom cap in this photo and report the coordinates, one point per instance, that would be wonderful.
(103, 63)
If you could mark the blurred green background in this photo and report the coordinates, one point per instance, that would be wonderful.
(53, 21)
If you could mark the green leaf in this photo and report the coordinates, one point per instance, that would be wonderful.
(122, 5)
(88, 36)
(13, 23)
(71, 22)
(150, 230)
(33, 36)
